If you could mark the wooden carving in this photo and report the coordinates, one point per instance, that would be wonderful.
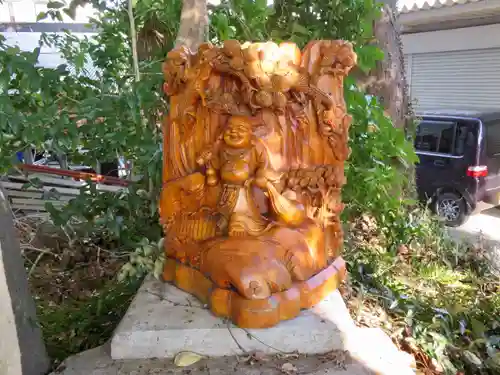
(254, 151)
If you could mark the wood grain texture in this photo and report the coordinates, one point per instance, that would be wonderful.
(254, 151)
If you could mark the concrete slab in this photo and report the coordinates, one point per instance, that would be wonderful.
(22, 350)
(163, 320)
(98, 362)
(482, 229)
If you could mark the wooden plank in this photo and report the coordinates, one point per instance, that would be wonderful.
(23, 350)
(111, 188)
(26, 194)
(49, 180)
(19, 186)
(39, 195)
(35, 202)
(74, 174)
(66, 183)
(30, 208)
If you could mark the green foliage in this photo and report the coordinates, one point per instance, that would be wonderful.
(374, 171)
(76, 325)
(297, 20)
(123, 218)
(442, 296)
(240, 19)
(303, 20)
(147, 258)
(40, 107)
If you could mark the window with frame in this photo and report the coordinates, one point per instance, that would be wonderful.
(438, 136)
(493, 139)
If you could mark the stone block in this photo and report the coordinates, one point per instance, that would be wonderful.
(163, 321)
(22, 350)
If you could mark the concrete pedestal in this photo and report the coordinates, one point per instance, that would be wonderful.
(163, 321)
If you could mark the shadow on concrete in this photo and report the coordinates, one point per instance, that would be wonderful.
(492, 211)
(98, 359)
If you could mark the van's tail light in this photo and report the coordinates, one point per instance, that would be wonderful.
(477, 171)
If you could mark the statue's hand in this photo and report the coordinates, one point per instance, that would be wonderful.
(263, 176)
(204, 157)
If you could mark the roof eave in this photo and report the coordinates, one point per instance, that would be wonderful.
(446, 11)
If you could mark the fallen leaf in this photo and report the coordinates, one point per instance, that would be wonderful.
(288, 369)
(183, 359)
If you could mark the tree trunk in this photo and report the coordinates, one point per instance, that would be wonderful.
(193, 29)
(388, 80)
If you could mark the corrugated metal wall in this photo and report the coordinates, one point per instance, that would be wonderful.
(455, 79)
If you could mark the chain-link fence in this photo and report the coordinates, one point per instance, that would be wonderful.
(89, 71)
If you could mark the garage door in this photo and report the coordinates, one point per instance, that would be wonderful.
(455, 79)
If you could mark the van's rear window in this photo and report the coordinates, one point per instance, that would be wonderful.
(493, 139)
(436, 136)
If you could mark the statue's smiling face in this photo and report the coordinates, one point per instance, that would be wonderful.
(238, 133)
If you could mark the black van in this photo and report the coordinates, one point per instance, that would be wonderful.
(459, 165)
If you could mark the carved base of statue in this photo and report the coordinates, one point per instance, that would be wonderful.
(256, 313)
(254, 151)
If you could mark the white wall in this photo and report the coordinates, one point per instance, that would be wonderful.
(27, 11)
(469, 38)
(49, 57)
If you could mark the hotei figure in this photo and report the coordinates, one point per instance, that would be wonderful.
(242, 168)
(254, 151)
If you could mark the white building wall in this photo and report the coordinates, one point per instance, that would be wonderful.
(469, 38)
(15, 13)
(28, 41)
(23, 11)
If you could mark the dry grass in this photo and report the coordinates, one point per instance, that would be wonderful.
(73, 283)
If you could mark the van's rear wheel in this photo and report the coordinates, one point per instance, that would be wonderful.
(451, 208)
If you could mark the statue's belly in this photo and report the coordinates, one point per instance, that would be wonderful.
(236, 172)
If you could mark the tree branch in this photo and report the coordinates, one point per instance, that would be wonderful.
(133, 36)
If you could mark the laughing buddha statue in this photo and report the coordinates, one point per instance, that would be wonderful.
(243, 233)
